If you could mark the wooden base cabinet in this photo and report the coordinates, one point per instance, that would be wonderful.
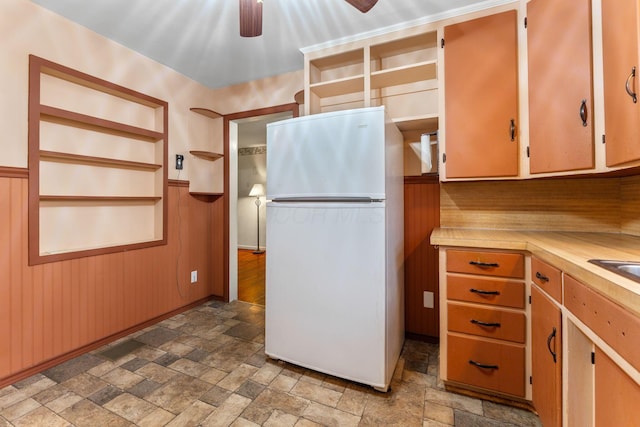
(546, 358)
(483, 321)
(616, 394)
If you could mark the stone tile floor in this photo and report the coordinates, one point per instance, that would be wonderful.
(206, 367)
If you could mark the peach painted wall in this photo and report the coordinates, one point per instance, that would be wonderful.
(26, 28)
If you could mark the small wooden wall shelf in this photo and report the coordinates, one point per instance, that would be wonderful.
(207, 155)
(206, 112)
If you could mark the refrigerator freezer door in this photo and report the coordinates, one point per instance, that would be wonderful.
(325, 289)
(327, 155)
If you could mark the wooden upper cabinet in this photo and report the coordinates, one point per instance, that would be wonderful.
(560, 85)
(620, 58)
(546, 358)
(481, 97)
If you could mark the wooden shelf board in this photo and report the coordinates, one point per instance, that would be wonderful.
(59, 198)
(403, 75)
(404, 45)
(207, 155)
(205, 193)
(94, 123)
(339, 87)
(95, 83)
(339, 60)
(206, 112)
(426, 123)
(101, 161)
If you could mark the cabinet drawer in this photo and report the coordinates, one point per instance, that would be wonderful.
(501, 364)
(485, 290)
(486, 322)
(547, 278)
(486, 263)
(615, 325)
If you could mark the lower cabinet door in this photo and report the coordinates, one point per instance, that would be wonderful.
(546, 358)
(486, 364)
(617, 394)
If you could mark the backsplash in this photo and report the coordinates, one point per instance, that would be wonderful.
(586, 204)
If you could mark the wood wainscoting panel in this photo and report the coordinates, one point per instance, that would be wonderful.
(421, 216)
(586, 204)
(51, 311)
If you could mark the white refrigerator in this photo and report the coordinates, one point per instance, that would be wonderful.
(334, 268)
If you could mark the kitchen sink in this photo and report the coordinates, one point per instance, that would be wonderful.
(628, 269)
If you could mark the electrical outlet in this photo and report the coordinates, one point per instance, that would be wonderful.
(194, 276)
(179, 161)
(427, 299)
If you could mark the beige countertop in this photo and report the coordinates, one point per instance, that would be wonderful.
(567, 251)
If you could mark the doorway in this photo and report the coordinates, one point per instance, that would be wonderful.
(247, 213)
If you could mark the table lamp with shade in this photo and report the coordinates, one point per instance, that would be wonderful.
(256, 191)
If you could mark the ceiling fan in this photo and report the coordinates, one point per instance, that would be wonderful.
(251, 14)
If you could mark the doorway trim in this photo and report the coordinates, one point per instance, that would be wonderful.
(228, 119)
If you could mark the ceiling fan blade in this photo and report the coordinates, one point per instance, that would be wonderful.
(362, 5)
(250, 18)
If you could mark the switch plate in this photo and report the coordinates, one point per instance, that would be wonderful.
(194, 276)
(427, 299)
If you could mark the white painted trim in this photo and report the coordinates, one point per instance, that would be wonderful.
(409, 24)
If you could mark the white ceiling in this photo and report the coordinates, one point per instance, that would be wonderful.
(201, 38)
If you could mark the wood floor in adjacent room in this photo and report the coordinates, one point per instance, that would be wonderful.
(251, 276)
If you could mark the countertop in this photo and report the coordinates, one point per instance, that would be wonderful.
(567, 251)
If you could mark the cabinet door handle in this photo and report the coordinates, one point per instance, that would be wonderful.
(482, 365)
(485, 324)
(541, 277)
(483, 292)
(583, 112)
(627, 86)
(549, 338)
(484, 264)
(512, 129)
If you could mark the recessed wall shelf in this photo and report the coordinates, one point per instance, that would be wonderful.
(207, 155)
(106, 199)
(99, 161)
(111, 199)
(59, 115)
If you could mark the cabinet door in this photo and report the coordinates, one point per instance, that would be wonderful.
(560, 85)
(546, 355)
(481, 101)
(620, 55)
(617, 394)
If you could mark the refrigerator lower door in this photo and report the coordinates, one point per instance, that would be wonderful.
(325, 288)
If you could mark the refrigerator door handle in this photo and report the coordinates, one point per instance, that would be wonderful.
(326, 200)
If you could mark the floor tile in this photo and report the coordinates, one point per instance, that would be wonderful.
(207, 367)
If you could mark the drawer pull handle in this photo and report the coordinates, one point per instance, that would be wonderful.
(482, 365)
(541, 277)
(484, 264)
(549, 338)
(482, 292)
(485, 324)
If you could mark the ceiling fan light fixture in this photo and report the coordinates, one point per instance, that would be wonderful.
(250, 18)
(363, 6)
